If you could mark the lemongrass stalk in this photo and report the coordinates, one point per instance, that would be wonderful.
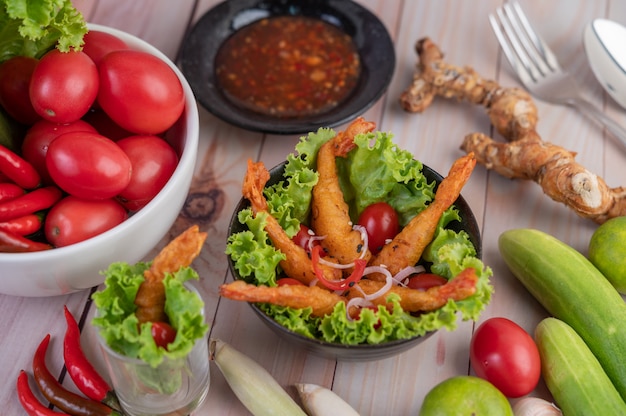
(253, 385)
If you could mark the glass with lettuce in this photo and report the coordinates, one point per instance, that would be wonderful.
(150, 379)
(376, 170)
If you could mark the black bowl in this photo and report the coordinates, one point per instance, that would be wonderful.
(361, 352)
(370, 37)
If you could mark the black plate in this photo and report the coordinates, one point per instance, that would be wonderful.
(368, 33)
(361, 352)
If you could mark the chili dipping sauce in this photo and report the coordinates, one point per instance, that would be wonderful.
(288, 66)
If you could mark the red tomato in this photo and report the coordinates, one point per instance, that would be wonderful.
(163, 334)
(153, 161)
(72, 219)
(88, 165)
(105, 126)
(139, 91)
(425, 281)
(64, 86)
(283, 281)
(381, 222)
(15, 76)
(98, 44)
(502, 353)
(38, 138)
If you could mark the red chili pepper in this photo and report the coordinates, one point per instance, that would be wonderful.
(40, 198)
(9, 190)
(62, 398)
(25, 225)
(344, 284)
(15, 243)
(82, 373)
(28, 400)
(17, 169)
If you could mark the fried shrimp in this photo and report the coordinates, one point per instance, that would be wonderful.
(180, 252)
(319, 300)
(407, 246)
(297, 263)
(330, 216)
(460, 287)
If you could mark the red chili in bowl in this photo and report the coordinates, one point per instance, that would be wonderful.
(288, 66)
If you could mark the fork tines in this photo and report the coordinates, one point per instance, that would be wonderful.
(524, 49)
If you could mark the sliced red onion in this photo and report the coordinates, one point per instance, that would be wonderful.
(364, 237)
(406, 272)
(384, 289)
(356, 302)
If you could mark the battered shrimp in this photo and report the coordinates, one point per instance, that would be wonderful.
(330, 217)
(294, 296)
(460, 287)
(297, 263)
(407, 246)
(180, 252)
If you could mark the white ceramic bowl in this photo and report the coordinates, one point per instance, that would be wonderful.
(78, 266)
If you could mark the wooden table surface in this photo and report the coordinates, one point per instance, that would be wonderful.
(393, 386)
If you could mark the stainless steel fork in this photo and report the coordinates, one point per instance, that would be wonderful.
(538, 68)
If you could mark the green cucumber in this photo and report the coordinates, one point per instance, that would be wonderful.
(573, 374)
(571, 289)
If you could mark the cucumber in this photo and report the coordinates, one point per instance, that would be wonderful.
(572, 373)
(571, 289)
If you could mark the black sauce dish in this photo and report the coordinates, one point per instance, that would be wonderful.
(360, 352)
(371, 39)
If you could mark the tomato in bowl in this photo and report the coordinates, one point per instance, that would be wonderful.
(78, 266)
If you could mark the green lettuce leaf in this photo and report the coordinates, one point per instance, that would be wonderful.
(376, 170)
(33, 27)
(118, 324)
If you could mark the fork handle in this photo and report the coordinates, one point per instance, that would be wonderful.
(613, 127)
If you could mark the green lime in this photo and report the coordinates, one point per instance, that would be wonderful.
(465, 396)
(607, 251)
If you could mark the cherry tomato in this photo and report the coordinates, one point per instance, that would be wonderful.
(153, 161)
(105, 126)
(381, 222)
(38, 138)
(73, 219)
(502, 353)
(98, 44)
(163, 334)
(64, 85)
(15, 76)
(424, 281)
(283, 281)
(88, 165)
(139, 91)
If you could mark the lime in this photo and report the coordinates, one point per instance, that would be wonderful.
(607, 251)
(465, 396)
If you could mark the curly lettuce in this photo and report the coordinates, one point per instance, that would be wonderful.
(33, 27)
(376, 170)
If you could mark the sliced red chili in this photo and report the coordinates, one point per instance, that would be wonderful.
(36, 200)
(15, 243)
(17, 169)
(29, 402)
(343, 284)
(80, 369)
(59, 396)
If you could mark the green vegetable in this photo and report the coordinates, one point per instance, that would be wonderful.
(375, 171)
(574, 291)
(253, 385)
(573, 374)
(33, 27)
(119, 325)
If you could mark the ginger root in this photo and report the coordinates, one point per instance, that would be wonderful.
(514, 115)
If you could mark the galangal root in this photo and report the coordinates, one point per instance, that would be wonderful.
(514, 115)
